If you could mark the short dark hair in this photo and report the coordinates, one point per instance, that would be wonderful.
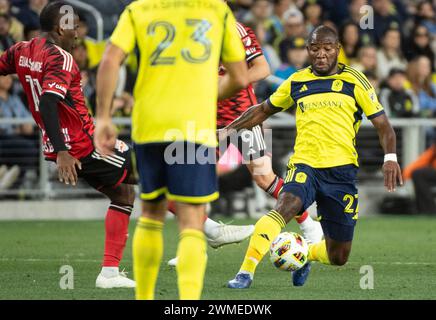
(49, 17)
(29, 28)
(323, 31)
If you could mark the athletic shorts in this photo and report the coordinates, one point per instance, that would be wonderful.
(335, 193)
(250, 143)
(180, 171)
(107, 171)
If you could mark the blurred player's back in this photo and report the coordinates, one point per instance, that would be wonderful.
(177, 42)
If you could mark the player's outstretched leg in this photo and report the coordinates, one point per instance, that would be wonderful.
(266, 230)
(116, 227)
(218, 234)
(264, 176)
(328, 252)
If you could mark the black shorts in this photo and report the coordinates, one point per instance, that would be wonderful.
(250, 143)
(335, 192)
(107, 171)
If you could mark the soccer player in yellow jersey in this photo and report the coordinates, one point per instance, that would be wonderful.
(329, 99)
(181, 43)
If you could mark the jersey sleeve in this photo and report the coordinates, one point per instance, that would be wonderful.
(7, 61)
(232, 48)
(124, 34)
(57, 72)
(249, 40)
(282, 97)
(366, 98)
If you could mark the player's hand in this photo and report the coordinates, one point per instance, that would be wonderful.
(105, 137)
(67, 167)
(392, 175)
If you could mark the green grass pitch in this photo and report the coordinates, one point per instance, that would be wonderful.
(401, 251)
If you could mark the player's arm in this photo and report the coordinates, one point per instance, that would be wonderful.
(234, 79)
(66, 163)
(57, 78)
(233, 60)
(253, 116)
(278, 101)
(258, 69)
(107, 76)
(391, 168)
(121, 43)
(366, 97)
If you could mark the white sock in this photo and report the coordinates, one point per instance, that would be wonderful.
(211, 228)
(109, 272)
(306, 224)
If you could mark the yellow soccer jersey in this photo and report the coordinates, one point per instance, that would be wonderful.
(181, 43)
(328, 114)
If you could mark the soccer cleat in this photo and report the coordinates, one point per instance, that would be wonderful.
(173, 262)
(299, 277)
(10, 177)
(118, 281)
(241, 281)
(3, 170)
(228, 234)
(313, 233)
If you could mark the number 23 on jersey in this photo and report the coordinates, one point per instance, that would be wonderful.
(168, 32)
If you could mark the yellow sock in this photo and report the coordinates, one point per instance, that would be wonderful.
(147, 255)
(192, 264)
(265, 231)
(318, 252)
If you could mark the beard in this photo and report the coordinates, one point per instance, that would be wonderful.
(328, 71)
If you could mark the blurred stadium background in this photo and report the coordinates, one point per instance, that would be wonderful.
(397, 55)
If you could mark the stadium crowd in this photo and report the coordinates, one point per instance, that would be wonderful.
(396, 53)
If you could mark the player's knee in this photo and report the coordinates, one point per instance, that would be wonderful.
(288, 206)
(338, 257)
(127, 194)
(154, 209)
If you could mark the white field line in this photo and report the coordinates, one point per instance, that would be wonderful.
(4, 259)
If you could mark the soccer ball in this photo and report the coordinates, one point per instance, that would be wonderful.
(289, 251)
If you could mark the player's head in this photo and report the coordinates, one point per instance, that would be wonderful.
(61, 22)
(323, 49)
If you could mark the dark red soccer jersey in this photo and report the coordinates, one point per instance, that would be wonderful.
(43, 67)
(230, 109)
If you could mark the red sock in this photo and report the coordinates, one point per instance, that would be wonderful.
(117, 228)
(172, 208)
(274, 190)
(301, 218)
(275, 187)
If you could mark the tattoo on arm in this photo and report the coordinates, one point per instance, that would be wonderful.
(253, 116)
